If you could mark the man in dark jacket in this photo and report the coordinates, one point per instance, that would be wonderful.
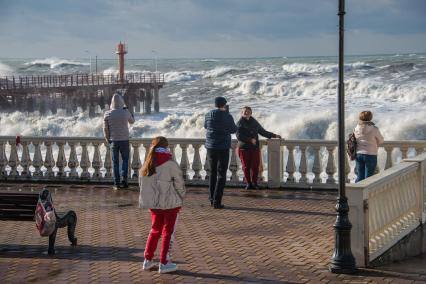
(248, 145)
(219, 125)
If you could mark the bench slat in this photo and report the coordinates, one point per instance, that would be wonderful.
(17, 218)
(18, 206)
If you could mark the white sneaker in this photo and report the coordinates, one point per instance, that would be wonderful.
(166, 268)
(148, 264)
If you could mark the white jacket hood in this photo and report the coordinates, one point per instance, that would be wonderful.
(117, 102)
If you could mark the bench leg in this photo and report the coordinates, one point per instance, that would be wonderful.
(52, 239)
(69, 220)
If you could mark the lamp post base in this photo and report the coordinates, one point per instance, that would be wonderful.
(340, 268)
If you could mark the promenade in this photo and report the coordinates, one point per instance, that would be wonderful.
(262, 236)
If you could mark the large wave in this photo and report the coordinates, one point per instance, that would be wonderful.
(5, 70)
(311, 124)
(54, 62)
(320, 69)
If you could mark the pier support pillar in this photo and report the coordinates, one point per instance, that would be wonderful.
(92, 110)
(42, 106)
(138, 106)
(68, 107)
(148, 101)
(53, 105)
(156, 100)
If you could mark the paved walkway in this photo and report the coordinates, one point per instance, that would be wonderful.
(261, 237)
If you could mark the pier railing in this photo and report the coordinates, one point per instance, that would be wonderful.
(284, 163)
(387, 207)
(77, 80)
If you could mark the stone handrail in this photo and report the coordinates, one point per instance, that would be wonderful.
(284, 163)
(386, 207)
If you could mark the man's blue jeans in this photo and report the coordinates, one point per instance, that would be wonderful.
(120, 147)
(365, 166)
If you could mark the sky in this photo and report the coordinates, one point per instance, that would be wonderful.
(208, 28)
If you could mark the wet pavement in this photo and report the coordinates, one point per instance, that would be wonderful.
(260, 237)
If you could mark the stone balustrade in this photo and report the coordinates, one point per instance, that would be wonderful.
(284, 163)
(387, 207)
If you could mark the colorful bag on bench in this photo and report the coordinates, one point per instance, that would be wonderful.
(45, 214)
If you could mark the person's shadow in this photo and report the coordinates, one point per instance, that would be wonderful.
(84, 252)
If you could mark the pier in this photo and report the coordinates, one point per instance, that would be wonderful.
(89, 92)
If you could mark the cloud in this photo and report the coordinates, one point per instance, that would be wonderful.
(205, 28)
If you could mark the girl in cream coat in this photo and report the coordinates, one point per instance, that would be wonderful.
(162, 190)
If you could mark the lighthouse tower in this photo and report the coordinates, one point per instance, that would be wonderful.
(121, 50)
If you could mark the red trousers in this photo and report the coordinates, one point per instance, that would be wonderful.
(250, 161)
(163, 224)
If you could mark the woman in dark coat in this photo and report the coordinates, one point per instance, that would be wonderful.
(248, 145)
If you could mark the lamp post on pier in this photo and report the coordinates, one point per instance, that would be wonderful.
(155, 59)
(90, 59)
(342, 260)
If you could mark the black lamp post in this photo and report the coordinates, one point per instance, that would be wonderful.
(342, 260)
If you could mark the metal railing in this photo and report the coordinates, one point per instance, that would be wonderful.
(76, 80)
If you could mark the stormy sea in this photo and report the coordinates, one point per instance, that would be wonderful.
(295, 96)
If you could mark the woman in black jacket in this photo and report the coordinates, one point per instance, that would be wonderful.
(248, 145)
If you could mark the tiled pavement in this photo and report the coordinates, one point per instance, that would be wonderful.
(261, 237)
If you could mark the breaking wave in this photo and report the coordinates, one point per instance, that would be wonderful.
(54, 62)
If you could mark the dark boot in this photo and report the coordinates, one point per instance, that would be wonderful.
(218, 206)
(124, 183)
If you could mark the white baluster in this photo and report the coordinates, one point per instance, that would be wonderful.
(388, 163)
(303, 168)
(207, 168)
(347, 169)
(61, 161)
(172, 150)
(37, 159)
(25, 159)
(331, 166)
(3, 160)
(85, 162)
(184, 160)
(136, 160)
(291, 167)
(387, 211)
(377, 169)
(73, 160)
(96, 161)
(316, 168)
(233, 165)
(108, 161)
(196, 164)
(13, 159)
(49, 161)
(404, 151)
(146, 146)
(419, 150)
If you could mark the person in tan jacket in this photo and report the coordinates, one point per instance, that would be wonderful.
(368, 138)
(162, 189)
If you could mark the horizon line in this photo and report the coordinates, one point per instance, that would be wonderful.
(227, 58)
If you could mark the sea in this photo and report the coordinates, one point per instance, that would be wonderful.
(295, 97)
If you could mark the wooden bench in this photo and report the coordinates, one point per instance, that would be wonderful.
(21, 206)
